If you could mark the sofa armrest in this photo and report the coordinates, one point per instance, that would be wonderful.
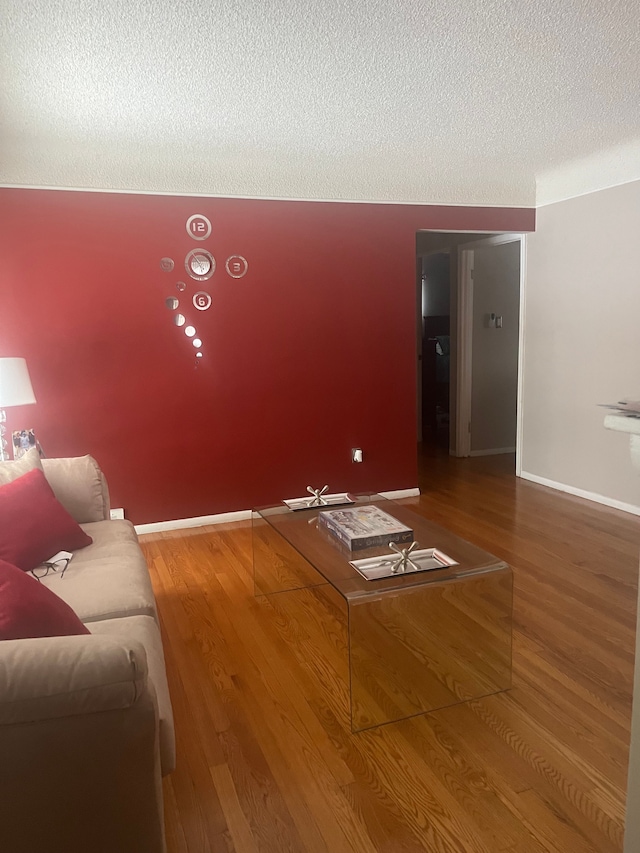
(79, 753)
(80, 486)
(66, 676)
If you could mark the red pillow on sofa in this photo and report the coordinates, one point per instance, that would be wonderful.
(29, 609)
(33, 523)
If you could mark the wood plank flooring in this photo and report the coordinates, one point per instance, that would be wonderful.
(267, 762)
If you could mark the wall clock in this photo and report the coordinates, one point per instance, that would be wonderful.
(236, 266)
(198, 227)
(202, 300)
(200, 264)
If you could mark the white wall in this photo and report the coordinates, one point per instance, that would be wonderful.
(582, 341)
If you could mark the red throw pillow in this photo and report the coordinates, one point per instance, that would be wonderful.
(29, 609)
(33, 523)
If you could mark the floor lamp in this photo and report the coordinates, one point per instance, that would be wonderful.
(15, 390)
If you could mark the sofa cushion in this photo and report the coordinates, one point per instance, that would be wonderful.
(144, 630)
(10, 471)
(33, 523)
(29, 610)
(80, 486)
(108, 579)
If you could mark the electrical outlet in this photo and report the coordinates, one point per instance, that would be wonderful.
(117, 513)
(356, 454)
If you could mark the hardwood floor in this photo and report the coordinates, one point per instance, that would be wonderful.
(266, 759)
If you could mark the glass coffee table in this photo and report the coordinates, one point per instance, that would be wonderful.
(417, 640)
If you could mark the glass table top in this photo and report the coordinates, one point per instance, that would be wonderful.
(331, 558)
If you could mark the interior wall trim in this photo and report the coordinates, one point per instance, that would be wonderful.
(494, 451)
(469, 204)
(199, 521)
(581, 493)
(401, 493)
(240, 515)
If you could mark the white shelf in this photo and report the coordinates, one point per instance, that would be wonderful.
(630, 426)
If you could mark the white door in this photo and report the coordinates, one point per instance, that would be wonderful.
(489, 339)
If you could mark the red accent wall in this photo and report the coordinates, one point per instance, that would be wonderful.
(310, 354)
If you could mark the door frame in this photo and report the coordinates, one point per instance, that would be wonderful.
(464, 326)
(464, 346)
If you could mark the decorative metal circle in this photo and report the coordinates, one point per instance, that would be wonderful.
(171, 302)
(166, 264)
(236, 266)
(197, 343)
(198, 355)
(202, 300)
(200, 264)
(198, 227)
(190, 331)
(181, 286)
(179, 319)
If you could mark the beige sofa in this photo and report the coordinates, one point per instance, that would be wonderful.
(86, 727)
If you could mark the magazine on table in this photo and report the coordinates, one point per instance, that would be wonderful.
(364, 527)
(629, 408)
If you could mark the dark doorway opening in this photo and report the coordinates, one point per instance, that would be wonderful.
(436, 348)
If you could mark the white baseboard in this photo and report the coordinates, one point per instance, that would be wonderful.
(495, 451)
(581, 493)
(200, 521)
(401, 493)
(240, 515)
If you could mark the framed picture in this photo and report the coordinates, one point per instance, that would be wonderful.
(23, 440)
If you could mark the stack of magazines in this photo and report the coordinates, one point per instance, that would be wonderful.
(629, 408)
(364, 527)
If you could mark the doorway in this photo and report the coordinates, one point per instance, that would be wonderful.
(469, 357)
(436, 345)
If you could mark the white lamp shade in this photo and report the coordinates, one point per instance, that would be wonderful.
(15, 384)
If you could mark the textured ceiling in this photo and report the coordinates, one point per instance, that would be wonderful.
(391, 100)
